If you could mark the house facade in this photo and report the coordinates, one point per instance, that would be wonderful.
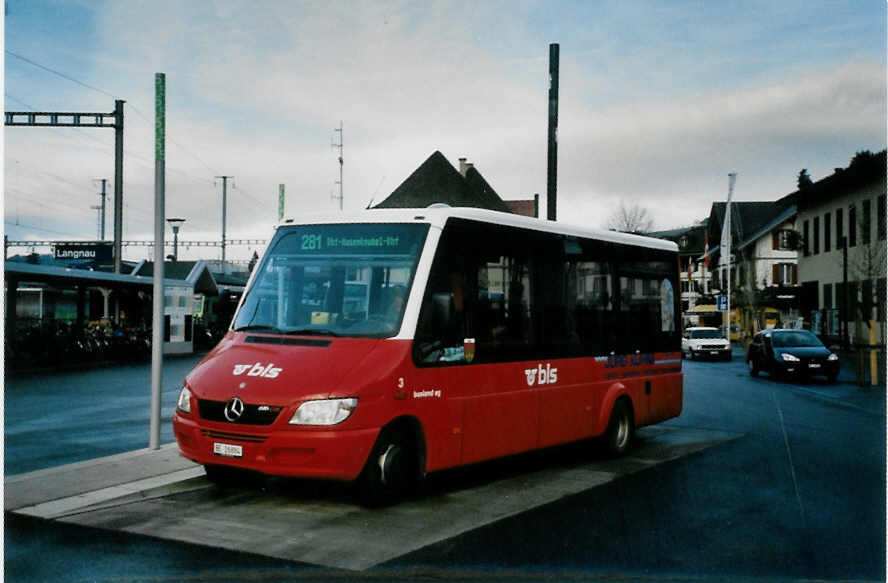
(842, 263)
(764, 290)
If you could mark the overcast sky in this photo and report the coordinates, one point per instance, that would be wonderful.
(659, 101)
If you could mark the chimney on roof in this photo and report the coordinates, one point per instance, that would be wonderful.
(462, 167)
(469, 166)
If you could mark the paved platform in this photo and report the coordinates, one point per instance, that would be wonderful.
(158, 493)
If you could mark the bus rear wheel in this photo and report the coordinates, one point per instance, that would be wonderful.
(620, 429)
(392, 471)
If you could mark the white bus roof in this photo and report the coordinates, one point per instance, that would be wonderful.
(437, 216)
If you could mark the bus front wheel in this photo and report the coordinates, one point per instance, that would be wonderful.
(392, 470)
(620, 429)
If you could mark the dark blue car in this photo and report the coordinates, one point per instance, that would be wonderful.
(791, 353)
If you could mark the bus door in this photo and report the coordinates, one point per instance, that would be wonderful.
(480, 288)
(572, 298)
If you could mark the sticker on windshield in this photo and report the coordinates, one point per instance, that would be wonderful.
(469, 349)
(667, 307)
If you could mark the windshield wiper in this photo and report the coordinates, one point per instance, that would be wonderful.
(311, 332)
(257, 328)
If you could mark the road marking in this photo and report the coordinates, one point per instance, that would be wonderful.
(795, 482)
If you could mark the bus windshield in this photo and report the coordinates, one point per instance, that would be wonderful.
(334, 280)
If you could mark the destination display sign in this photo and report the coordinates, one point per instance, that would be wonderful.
(357, 239)
(100, 252)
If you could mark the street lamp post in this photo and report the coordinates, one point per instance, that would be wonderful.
(175, 224)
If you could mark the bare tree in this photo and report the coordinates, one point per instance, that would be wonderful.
(630, 218)
(867, 264)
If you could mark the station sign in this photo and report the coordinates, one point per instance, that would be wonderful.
(100, 252)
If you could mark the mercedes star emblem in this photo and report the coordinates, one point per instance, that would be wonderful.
(234, 409)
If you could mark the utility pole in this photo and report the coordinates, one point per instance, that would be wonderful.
(339, 145)
(103, 194)
(224, 213)
(552, 165)
(118, 191)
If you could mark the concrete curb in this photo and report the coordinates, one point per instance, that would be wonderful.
(113, 476)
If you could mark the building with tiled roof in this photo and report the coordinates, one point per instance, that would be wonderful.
(843, 256)
(437, 181)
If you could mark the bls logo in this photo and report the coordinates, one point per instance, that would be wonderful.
(541, 376)
(257, 370)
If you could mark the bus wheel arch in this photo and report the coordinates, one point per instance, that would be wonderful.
(620, 427)
(396, 464)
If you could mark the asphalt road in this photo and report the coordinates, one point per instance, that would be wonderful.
(800, 496)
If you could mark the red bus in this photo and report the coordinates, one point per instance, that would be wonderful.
(382, 346)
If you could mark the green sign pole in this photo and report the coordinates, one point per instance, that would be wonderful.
(157, 322)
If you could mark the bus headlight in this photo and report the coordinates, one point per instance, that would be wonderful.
(184, 402)
(324, 412)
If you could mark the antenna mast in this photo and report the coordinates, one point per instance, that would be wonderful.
(333, 144)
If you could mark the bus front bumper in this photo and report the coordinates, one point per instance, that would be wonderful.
(299, 452)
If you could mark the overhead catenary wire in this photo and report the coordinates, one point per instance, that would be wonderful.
(59, 73)
(23, 225)
(132, 157)
(247, 194)
(130, 104)
(31, 198)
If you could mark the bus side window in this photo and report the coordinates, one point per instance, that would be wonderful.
(500, 313)
(591, 301)
(648, 304)
(485, 271)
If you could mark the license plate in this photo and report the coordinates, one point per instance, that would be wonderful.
(814, 365)
(714, 352)
(228, 450)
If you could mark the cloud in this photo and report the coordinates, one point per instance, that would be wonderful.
(254, 90)
(660, 152)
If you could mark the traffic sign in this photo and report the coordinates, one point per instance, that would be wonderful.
(722, 303)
